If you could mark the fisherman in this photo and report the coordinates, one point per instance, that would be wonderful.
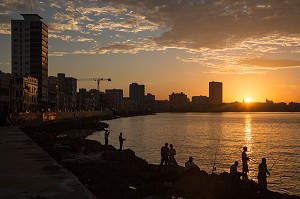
(234, 170)
(191, 167)
(245, 160)
(262, 174)
(164, 152)
(121, 140)
(106, 134)
(172, 153)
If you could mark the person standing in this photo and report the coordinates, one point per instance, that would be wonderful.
(164, 152)
(262, 174)
(121, 140)
(106, 134)
(172, 153)
(245, 160)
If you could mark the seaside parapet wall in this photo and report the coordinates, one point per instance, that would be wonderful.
(48, 116)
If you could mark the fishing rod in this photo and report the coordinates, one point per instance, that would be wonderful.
(214, 167)
(275, 162)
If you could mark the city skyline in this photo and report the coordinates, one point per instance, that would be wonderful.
(252, 47)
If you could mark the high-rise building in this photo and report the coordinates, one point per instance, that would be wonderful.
(29, 52)
(137, 93)
(215, 92)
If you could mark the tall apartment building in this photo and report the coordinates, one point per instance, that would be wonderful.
(114, 97)
(216, 92)
(29, 52)
(137, 93)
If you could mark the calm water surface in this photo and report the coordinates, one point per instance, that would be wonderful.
(275, 136)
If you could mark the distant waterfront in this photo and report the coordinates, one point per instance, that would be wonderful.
(271, 135)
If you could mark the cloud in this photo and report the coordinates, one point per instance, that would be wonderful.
(131, 47)
(224, 36)
(270, 64)
(217, 24)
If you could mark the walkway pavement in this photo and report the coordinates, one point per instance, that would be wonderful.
(26, 171)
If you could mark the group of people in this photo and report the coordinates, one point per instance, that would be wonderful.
(121, 139)
(262, 170)
(168, 159)
(167, 156)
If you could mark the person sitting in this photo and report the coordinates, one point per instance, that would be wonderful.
(191, 167)
(234, 170)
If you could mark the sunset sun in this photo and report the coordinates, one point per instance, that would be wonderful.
(247, 100)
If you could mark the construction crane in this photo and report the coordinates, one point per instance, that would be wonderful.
(97, 79)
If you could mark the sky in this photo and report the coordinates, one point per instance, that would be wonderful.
(253, 47)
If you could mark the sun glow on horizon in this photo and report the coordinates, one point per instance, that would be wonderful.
(248, 100)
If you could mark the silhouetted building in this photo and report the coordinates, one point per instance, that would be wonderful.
(149, 101)
(29, 46)
(67, 87)
(136, 94)
(114, 97)
(128, 104)
(7, 90)
(216, 93)
(199, 100)
(178, 100)
(53, 93)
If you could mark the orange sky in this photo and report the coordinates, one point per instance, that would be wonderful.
(253, 47)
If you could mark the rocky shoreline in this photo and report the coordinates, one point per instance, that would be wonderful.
(110, 173)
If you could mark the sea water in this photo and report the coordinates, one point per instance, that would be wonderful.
(217, 139)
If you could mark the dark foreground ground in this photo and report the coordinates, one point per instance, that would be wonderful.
(110, 173)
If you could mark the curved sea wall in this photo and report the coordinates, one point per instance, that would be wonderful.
(49, 116)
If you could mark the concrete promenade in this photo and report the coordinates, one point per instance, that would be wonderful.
(26, 171)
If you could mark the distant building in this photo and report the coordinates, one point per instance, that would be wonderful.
(29, 52)
(7, 90)
(71, 89)
(27, 94)
(85, 100)
(216, 93)
(136, 94)
(199, 100)
(114, 97)
(179, 100)
(128, 104)
(67, 87)
(53, 93)
(149, 101)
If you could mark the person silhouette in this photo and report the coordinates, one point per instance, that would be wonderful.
(164, 152)
(121, 140)
(106, 134)
(172, 153)
(262, 174)
(245, 160)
